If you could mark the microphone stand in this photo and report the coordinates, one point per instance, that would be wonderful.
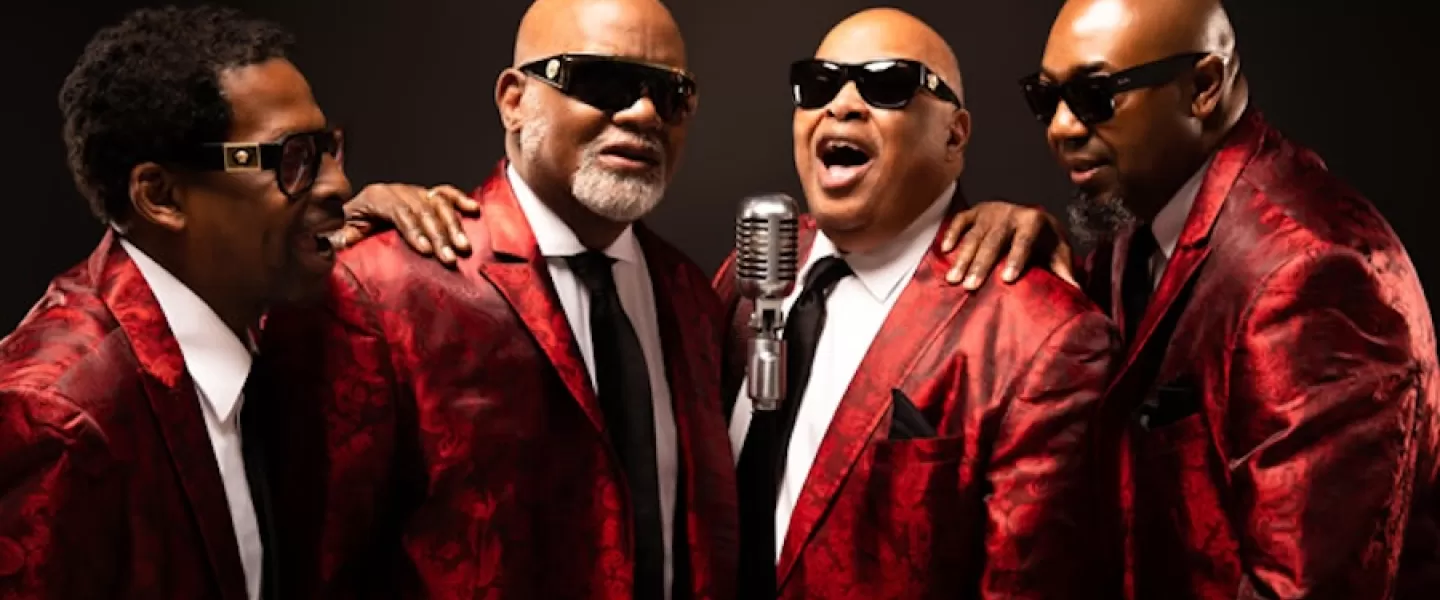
(766, 387)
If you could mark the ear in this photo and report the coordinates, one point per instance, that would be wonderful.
(1209, 79)
(154, 196)
(509, 92)
(958, 137)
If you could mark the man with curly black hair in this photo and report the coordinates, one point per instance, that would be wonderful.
(123, 473)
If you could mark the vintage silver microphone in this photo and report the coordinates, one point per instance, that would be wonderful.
(766, 257)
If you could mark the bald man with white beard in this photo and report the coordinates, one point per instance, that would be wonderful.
(542, 421)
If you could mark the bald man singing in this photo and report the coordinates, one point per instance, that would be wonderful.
(932, 441)
(1277, 413)
(543, 420)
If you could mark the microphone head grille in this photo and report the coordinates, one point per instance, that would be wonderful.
(766, 246)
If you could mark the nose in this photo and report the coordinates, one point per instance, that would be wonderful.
(848, 105)
(640, 116)
(331, 184)
(1065, 130)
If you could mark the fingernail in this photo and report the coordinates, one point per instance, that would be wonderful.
(953, 277)
(972, 282)
(446, 254)
(462, 240)
(1010, 274)
(424, 244)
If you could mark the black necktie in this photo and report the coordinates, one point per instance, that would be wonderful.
(762, 457)
(623, 387)
(1138, 285)
(253, 450)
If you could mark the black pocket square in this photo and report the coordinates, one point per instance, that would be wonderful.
(1170, 404)
(906, 422)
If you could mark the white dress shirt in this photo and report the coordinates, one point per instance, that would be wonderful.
(855, 310)
(1170, 222)
(637, 297)
(219, 363)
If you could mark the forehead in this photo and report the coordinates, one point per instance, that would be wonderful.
(860, 42)
(1101, 36)
(269, 100)
(615, 29)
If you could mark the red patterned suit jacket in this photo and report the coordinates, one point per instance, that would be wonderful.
(110, 486)
(1286, 372)
(462, 439)
(999, 505)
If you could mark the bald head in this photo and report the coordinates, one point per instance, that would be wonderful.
(638, 29)
(1129, 152)
(1124, 33)
(891, 33)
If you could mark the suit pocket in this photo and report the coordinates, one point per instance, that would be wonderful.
(1168, 406)
(900, 453)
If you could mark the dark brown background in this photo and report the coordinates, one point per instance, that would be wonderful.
(413, 81)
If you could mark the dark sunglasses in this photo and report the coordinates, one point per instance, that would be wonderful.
(295, 159)
(613, 84)
(888, 83)
(1091, 98)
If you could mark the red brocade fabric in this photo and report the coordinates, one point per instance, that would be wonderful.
(464, 452)
(1000, 503)
(108, 484)
(1290, 357)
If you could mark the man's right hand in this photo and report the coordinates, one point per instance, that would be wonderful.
(979, 235)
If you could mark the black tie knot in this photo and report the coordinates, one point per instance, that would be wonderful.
(824, 274)
(593, 270)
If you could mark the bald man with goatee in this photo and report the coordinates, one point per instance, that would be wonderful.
(543, 420)
(933, 442)
(1278, 414)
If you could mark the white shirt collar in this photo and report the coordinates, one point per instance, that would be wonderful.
(216, 359)
(882, 270)
(555, 238)
(1170, 222)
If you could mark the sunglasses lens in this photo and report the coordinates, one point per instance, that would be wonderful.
(889, 84)
(814, 84)
(1090, 100)
(1043, 99)
(613, 86)
(299, 159)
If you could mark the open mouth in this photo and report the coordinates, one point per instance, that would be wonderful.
(844, 163)
(319, 241)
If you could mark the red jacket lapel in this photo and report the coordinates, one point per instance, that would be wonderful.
(520, 273)
(689, 319)
(176, 406)
(926, 302)
(1193, 246)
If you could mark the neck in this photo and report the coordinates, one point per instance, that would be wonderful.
(239, 310)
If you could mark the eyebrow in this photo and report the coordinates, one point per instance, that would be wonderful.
(1079, 71)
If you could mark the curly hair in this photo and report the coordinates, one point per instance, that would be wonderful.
(148, 88)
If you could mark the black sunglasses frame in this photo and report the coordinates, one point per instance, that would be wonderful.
(1091, 98)
(861, 73)
(254, 157)
(559, 72)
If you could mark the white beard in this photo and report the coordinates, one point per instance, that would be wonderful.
(621, 198)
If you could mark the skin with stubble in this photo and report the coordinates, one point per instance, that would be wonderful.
(580, 161)
(913, 153)
(1129, 166)
(235, 238)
